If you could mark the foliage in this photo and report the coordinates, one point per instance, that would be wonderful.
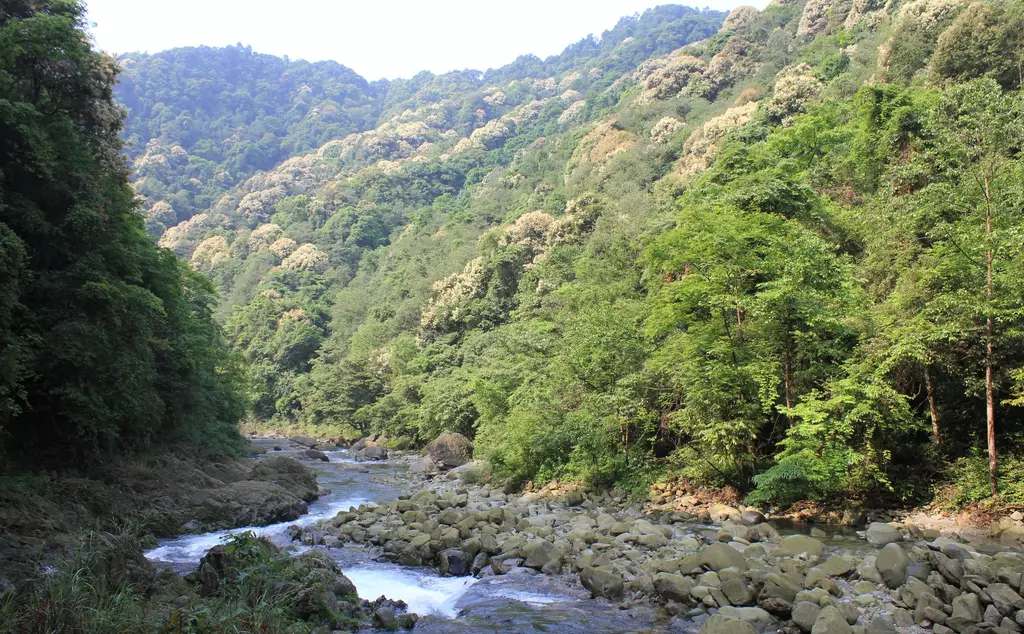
(750, 257)
(109, 342)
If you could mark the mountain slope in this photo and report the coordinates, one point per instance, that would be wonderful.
(751, 260)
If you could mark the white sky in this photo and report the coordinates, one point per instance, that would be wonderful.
(376, 38)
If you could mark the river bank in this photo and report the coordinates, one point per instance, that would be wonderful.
(464, 554)
(393, 537)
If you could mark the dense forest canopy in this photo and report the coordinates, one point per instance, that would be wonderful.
(778, 252)
(107, 342)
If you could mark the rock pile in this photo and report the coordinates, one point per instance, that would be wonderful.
(738, 576)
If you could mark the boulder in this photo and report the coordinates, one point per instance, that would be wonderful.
(451, 450)
(454, 562)
(838, 565)
(1006, 600)
(374, 453)
(289, 474)
(720, 556)
(805, 613)
(761, 620)
(881, 624)
(736, 591)
(249, 503)
(384, 619)
(751, 518)
(719, 624)
(798, 544)
(831, 621)
(879, 534)
(891, 564)
(540, 553)
(967, 611)
(304, 441)
(674, 587)
(602, 581)
(316, 454)
(424, 466)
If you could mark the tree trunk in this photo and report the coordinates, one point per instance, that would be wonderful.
(990, 400)
(931, 405)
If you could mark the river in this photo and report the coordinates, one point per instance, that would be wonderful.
(519, 602)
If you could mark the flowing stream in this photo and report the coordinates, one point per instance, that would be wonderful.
(517, 602)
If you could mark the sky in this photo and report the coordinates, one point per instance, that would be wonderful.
(376, 38)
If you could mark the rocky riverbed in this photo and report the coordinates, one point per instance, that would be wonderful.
(468, 557)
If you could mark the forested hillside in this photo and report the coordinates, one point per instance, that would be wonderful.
(107, 343)
(780, 253)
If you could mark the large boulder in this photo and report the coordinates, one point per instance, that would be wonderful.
(880, 534)
(805, 614)
(118, 558)
(289, 474)
(316, 454)
(451, 450)
(892, 563)
(454, 562)
(799, 544)
(719, 624)
(541, 553)
(249, 503)
(831, 621)
(304, 441)
(720, 556)
(674, 587)
(374, 453)
(424, 466)
(602, 581)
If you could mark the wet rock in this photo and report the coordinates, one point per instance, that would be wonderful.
(799, 544)
(304, 441)
(384, 618)
(719, 624)
(891, 564)
(451, 450)
(407, 621)
(316, 454)
(750, 518)
(602, 581)
(879, 534)
(719, 556)
(831, 621)
(454, 562)
(374, 453)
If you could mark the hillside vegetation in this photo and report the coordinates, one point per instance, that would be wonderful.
(107, 343)
(780, 253)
